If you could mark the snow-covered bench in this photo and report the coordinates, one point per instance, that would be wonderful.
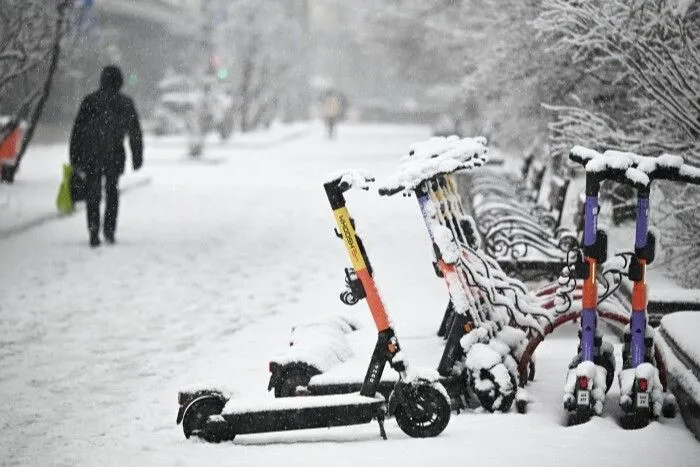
(479, 286)
(525, 183)
(664, 297)
(521, 227)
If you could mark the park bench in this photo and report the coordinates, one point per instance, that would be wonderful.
(521, 228)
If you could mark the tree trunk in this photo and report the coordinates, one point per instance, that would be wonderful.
(8, 173)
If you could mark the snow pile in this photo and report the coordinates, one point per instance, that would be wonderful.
(490, 377)
(596, 384)
(482, 356)
(513, 338)
(689, 171)
(680, 329)
(354, 178)
(683, 328)
(435, 157)
(420, 374)
(445, 241)
(432, 147)
(584, 153)
(637, 169)
(655, 390)
(320, 343)
(250, 405)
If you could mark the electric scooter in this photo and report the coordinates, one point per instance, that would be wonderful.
(489, 379)
(641, 390)
(584, 376)
(288, 379)
(421, 407)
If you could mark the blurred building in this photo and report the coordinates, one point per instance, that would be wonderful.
(144, 37)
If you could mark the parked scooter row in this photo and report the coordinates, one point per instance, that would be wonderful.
(489, 324)
(485, 321)
(642, 379)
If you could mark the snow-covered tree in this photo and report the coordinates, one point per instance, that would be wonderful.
(646, 56)
(30, 45)
(490, 49)
(263, 46)
(647, 53)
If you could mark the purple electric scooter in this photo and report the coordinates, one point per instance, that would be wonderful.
(642, 379)
(579, 400)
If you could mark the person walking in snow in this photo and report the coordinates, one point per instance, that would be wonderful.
(333, 104)
(105, 118)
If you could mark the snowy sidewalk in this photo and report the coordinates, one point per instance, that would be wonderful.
(31, 201)
(214, 264)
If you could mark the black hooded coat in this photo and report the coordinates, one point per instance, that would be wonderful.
(105, 118)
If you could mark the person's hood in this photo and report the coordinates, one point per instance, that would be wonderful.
(111, 79)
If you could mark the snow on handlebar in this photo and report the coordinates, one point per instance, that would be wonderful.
(631, 168)
(433, 157)
(350, 178)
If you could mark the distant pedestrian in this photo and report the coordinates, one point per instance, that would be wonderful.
(333, 109)
(105, 118)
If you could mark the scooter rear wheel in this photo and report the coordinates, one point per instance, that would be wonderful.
(292, 379)
(580, 415)
(634, 420)
(197, 415)
(428, 414)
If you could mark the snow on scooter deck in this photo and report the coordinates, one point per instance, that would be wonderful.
(248, 406)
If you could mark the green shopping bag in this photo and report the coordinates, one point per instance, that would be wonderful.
(64, 202)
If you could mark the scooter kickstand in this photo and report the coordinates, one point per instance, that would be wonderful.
(380, 420)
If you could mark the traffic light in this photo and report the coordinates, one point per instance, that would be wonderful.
(216, 68)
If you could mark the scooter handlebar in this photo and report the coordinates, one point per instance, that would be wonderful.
(390, 191)
(632, 169)
(348, 179)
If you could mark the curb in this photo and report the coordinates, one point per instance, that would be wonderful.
(683, 375)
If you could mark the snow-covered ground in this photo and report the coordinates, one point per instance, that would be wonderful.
(215, 262)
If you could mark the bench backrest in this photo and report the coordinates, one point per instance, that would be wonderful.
(557, 195)
(578, 216)
(533, 182)
(527, 163)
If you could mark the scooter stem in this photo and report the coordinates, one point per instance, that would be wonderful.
(638, 320)
(589, 317)
(334, 191)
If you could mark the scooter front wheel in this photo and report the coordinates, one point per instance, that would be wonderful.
(424, 412)
(197, 415)
(290, 381)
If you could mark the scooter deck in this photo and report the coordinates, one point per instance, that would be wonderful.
(424, 351)
(347, 377)
(297, 413)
